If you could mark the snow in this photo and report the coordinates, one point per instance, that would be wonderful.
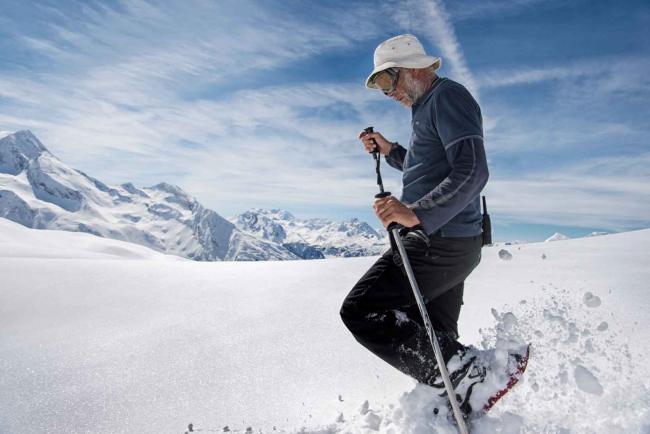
(95, 337)
(17, 241)
(505, 255)
(586, 381)
(591, 300)
(596, 234)
(557, 237)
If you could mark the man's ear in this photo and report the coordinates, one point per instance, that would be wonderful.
(417, 73)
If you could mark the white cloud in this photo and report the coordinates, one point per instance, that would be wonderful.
(494, 79)
(590, 103)
(133, 72)
(464, 10)
(149, 44)
(605, 192)
(432, 20)
(131, 107)
(615, 72)
(252, 145)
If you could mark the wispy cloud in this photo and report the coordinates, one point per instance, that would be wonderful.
(145, 47)
(607, 192)
(250, 135)
(217, 98)
(134, 114)
(616, 72)
(133, 78)
(434, 23)
(465, 10)
(591, 105)
(519, 76)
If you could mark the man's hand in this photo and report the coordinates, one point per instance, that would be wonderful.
(390, 210)
(375, 142)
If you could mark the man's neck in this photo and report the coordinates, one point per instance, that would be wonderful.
(431, 80)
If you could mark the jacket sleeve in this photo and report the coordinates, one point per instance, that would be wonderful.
(395, 157)
(468, 176)
(460, 127)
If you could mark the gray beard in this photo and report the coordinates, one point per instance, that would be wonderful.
(414, 89)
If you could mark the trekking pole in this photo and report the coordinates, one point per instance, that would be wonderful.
(396, 239)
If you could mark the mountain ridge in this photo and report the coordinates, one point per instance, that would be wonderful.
(349, 238)
(39, 191)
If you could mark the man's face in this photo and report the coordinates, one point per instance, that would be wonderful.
(409, 87)
(400, 94)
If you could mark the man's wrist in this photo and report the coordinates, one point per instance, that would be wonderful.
(415, 220)
(393, 146)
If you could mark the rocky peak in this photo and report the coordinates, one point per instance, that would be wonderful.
(17, 150)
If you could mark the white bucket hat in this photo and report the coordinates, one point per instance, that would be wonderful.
(400, 51)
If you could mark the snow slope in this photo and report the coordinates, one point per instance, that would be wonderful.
(95, 343)
(17, 241)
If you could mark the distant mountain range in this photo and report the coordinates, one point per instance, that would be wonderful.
(312, 238)
(39, 191)
(555, 237)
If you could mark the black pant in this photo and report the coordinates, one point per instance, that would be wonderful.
(382, 314)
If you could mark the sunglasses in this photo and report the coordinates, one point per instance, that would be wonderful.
(386, 80)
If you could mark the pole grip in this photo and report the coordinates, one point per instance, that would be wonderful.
(372, 130)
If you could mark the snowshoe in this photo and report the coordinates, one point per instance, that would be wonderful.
(518, 361)
(473, 380)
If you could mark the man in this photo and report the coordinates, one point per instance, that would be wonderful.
(444, 170)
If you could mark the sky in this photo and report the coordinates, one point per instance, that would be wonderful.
(258, 104)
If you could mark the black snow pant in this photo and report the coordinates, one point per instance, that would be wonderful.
(382, 314)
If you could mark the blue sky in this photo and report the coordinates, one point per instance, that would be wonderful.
(258, 104)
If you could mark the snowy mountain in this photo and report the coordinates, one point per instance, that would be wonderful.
(557, 237)
(92, 330)
(596, 234)
(510, 243)
(39, 191)
(316, 237)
